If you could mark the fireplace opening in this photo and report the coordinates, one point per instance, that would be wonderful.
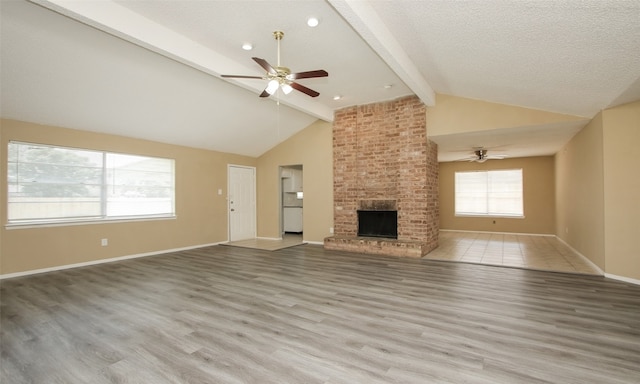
(378, 224)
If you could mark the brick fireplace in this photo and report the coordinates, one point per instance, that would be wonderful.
(383, 161)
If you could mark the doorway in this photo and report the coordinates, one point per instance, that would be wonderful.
(242, 202)
(292, 200)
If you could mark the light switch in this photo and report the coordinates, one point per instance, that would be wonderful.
(220, 191)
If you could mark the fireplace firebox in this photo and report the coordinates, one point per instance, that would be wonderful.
(378, 224)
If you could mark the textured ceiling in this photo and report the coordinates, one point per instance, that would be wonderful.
(572, 57)
(150, 69)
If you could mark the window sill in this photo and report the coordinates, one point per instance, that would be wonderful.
(490, 216)
(32, 225)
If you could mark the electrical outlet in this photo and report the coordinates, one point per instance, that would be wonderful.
(330, 229)
(104, 242)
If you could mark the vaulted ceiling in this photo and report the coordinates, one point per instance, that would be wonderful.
(151, 69)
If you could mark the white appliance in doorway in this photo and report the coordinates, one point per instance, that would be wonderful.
(292, 198)
(292, 219)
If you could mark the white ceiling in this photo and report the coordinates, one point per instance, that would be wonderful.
(150, 69)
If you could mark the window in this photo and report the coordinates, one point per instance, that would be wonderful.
(489, 193)
(48, 184)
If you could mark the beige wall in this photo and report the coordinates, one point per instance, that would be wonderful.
(621, 137)
(453, 114)
(597, 208)
(580, 192)
(539, 202)
(596, 202)
(312, 148)
(201, 213)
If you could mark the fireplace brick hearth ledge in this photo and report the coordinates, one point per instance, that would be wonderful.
(376, 246)
(383, 160)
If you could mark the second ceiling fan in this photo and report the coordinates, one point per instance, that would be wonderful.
(281, 77)
(480, 156)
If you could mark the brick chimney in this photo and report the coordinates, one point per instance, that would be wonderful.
(383, 158)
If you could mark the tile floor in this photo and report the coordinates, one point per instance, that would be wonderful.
(288, 240)
(511, 250)
(545, 253)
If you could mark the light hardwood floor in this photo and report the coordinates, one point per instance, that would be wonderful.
(305, 315)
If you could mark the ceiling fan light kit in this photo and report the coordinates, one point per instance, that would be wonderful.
(280, 76)
(272, 87)
(286, 88)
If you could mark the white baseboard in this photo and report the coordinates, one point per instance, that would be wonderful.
(101, 261)
(584, 258)
(499, 233)
(622, 278)
(135, 256)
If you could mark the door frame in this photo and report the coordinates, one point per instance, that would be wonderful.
(255, 203)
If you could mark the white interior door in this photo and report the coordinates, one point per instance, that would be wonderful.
(242, 202)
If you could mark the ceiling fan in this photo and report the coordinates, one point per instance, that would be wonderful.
(281, 77)
(480, 156)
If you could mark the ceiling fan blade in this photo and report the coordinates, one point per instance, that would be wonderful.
(304, 89)
(265, 94)
(308, 74)
(242, 77)
(263, 63)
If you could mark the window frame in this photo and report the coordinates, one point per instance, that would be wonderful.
(103, 216)
(488, 214)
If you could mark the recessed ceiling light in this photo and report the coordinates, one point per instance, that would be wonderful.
(337, 97)
(247, 46)
(313, 22)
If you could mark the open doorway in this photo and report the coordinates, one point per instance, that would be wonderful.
(292, 201)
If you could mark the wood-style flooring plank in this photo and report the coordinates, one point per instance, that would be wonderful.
(306, 315)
